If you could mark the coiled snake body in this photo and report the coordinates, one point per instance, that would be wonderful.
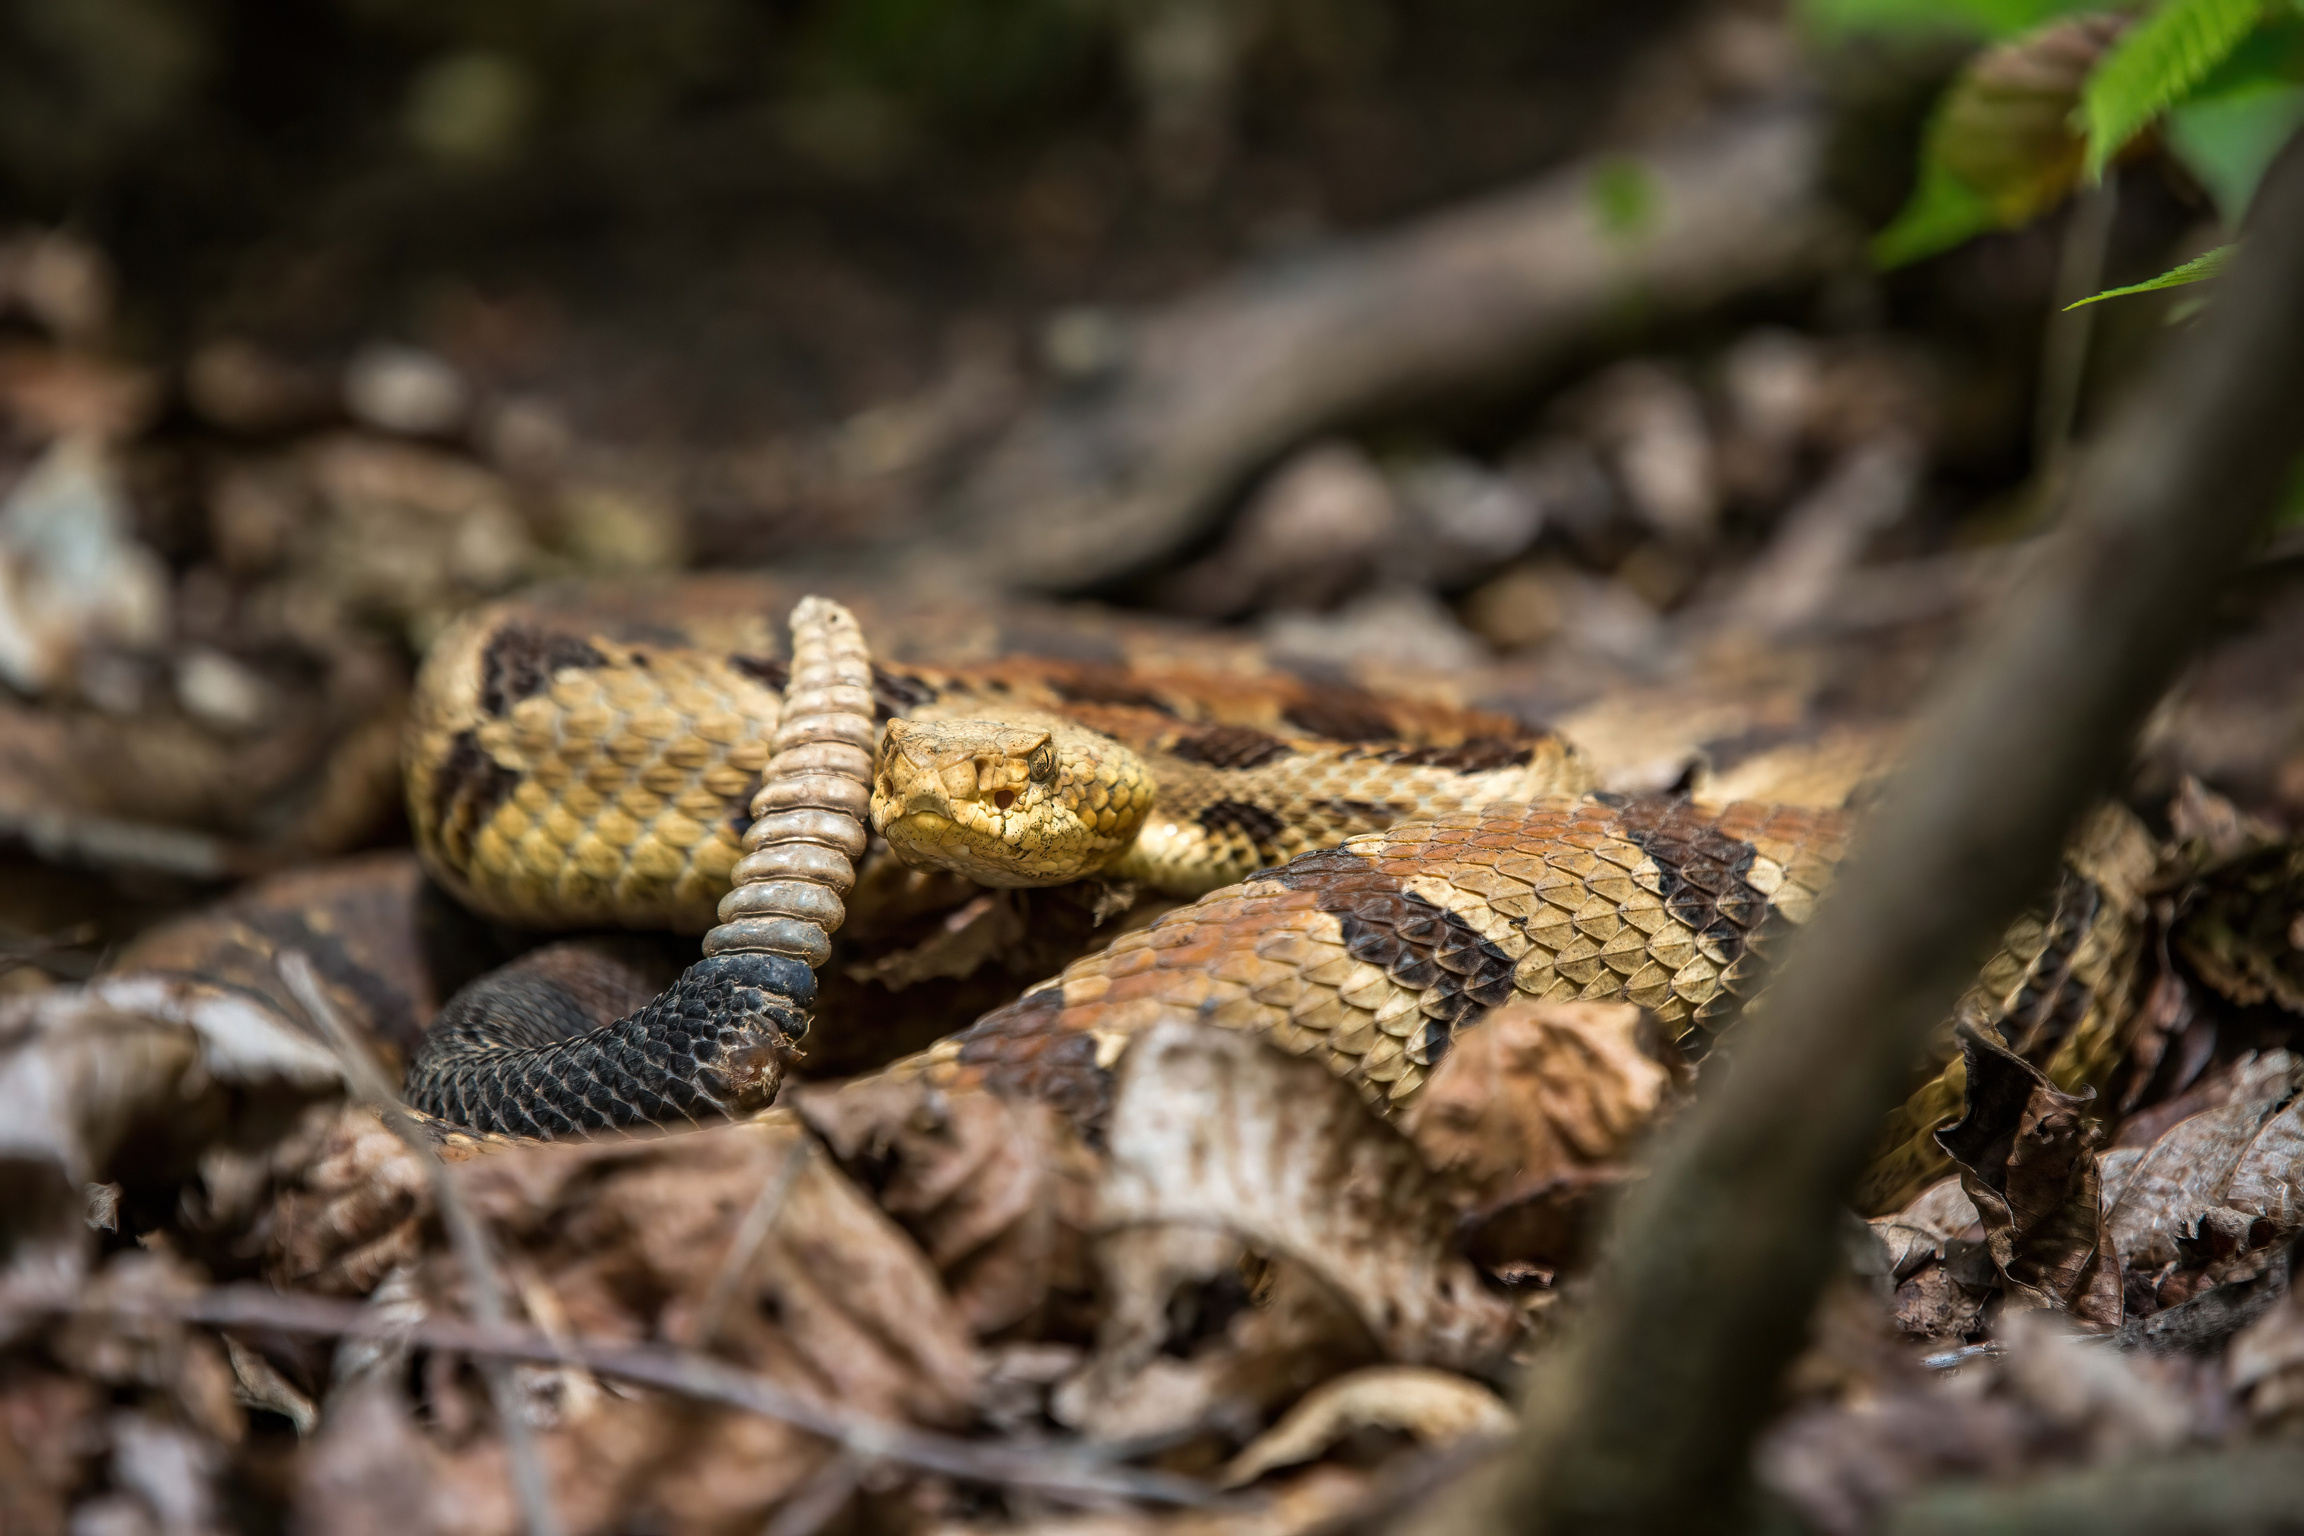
(571, 769)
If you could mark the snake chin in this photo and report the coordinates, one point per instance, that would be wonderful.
(1006, 803)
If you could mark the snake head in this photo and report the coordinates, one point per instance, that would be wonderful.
(1007, 803)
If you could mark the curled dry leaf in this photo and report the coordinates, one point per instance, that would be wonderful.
(350, 1205)
(2214, 1198)
(1199, 1332)
(2265, 1364)
(1217, 1129)
(1534, 1111)
(1437, 1407)
(1939, 1263)
(999, 1192)
(143, 1058)
(2027, 1158)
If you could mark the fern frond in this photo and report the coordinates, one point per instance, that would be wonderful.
(2199, 269)
(2156, 66)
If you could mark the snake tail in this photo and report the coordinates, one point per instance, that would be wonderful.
(521, 1052)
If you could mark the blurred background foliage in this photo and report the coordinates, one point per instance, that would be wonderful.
(182, 135)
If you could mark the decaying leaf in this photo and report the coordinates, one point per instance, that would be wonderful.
(1201, 1333)
(1213, 1128)
(1939, 1263)
(2266, 1361)
(836, 1299)
(85, 1069)
(2213, 1198)
(2027, 1158)
(1436, 1407)
(1533, 1112)
(999, 1192)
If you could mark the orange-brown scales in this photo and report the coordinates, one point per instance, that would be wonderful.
(581, 768)
(1373, 955)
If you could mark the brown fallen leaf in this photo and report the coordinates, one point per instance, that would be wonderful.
(631, 1233)
(1436, 1407)
(2027, 1158)
(147, 1062)
(999, 1192)
(2265, 1365)
(1534, 1112)
(48, 1432)
(1938, 1262)
(2213, 1198)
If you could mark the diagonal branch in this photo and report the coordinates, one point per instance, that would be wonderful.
(1644, 1420)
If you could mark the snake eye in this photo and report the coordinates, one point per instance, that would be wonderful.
(1042, 767)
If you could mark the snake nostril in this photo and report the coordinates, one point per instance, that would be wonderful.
(1003, 798)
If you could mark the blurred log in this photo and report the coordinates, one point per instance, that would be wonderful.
(1643, 1420)
(1172, 410)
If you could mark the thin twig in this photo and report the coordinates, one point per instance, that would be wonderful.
(751, 1232)
(465, 1235)
(819, 1499)
(1643, 1419)
(684, 1373)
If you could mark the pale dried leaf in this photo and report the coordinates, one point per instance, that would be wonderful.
(1216, 1128)
(1437, 1407)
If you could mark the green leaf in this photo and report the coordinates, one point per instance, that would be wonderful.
(2228, 141)
(2000, 148)
(1944, 212)
(2156, 66)
(1625, 197)
(2198, 270)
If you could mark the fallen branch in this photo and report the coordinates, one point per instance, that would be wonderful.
(1134, 460)
(685, 1373)
(1643, 1421)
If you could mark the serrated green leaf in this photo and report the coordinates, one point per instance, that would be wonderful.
(2198, 270)
(2156, 66)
